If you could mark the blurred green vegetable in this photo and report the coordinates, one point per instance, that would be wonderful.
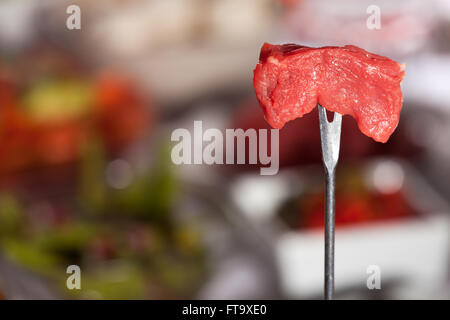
(58, 99)
(152, 195)
(32, 256)
(126, 241)
(10, 215)
(92, 187)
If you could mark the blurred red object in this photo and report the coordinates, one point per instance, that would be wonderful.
(290, 3)
(120, 111)
(354, 208)
(118, 114)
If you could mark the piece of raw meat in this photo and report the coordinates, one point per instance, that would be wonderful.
(290, 80)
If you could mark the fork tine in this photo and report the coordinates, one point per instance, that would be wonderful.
(330, 136)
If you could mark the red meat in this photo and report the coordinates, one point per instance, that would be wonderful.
(290, 80)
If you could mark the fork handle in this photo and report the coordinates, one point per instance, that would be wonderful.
(329, 234)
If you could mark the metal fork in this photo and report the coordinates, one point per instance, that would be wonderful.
(330, 137)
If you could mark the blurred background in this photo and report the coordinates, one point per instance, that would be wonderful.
(86, 176)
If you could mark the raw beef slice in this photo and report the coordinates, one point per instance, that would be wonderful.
(290, 80)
